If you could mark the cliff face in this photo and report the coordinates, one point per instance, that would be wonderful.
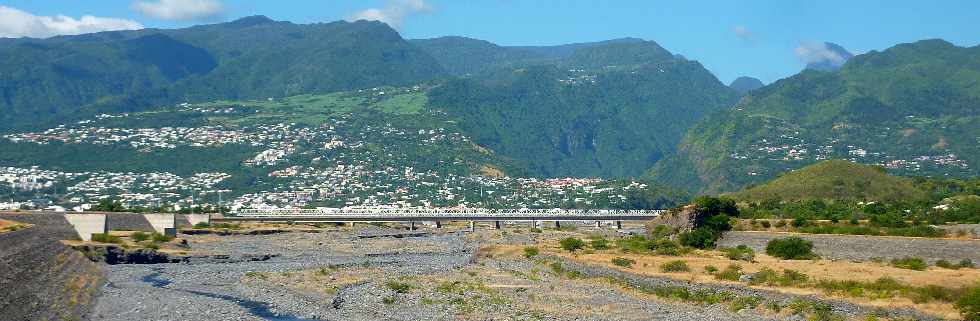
(41, 278)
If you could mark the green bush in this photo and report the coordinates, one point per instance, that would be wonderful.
(535, 230)
(624, 262)
(160, 238)
(780, 223)
(140, 236)
(202, 225)
(910, 263)
(966, 263)
(766, 224)
(946, 265)
(660, 231)
(106, 238)
(398, 287)
(600, 244)
(710, 269)
(731, 273)
(572, 244)
(675, 266)
(702, 238)
(530, 252)
(740, 253)
(667, 247)
(969, 305)
(790, 248)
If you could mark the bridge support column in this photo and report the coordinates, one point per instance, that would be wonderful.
(557, 225)
(351, 224)
(619, 225)
(411, 226)
(438, 224)
(496, 225)
(472, 226)
(598, 224)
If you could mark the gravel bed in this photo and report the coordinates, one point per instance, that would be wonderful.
(864, 248)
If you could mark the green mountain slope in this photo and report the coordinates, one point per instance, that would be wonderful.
(912, 108)
(598, 113)
(464, 56)
(835, 180)
(254, 57)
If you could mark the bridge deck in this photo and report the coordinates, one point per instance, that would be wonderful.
(408, 215)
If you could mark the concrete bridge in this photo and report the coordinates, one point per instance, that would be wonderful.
(437, 215)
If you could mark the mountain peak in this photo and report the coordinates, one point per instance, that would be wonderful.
(826, 56)
(251, 21)
(746, 84)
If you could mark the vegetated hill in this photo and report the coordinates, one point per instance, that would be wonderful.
(254, 57)
(580, 117)
(835, 180)
(744, 85)
(467, 56)
(463, 56)
(912, 108)
(832, 61)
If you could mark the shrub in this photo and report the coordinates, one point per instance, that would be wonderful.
(535, 230)
(800, 222)
(780, 223)
(731, 273)
(202, 225)
(530, 252)
(160, 238)
(710, 269)
(969, 305)
(388, 300)
(140, 236)
(702, 238)
(666, 247)
(946, 265)
(660, 231)
(106, 238)
(572, 244)
(740, 253)
(675, 266)
(765, 224)
(624, 262)
(600, 244)
(790, 248)
(399, 287)
(911, 263)
(966, 263)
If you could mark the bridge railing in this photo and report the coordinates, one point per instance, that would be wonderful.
(447, 212)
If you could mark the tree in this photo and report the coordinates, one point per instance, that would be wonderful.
(790, 248)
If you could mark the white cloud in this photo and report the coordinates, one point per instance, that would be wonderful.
(394, 12)
(180, 9)
(813, 52)
(15, 23)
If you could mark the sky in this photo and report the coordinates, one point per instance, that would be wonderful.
(766, 39)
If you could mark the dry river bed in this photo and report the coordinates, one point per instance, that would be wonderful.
(446, 275)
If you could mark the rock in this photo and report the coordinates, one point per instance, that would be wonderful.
(679, 220)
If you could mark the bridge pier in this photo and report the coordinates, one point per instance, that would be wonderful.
(496, 225)
(619, 225)
(598, 224)
(438, 224)
(351, 224)
(411, 226)
(557, 225)
(472, 226)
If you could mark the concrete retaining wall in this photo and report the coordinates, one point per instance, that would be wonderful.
(863, 248)
(128, 222)
(192, 219)
(87, 224)
(162, 223)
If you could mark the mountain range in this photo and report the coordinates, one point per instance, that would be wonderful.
(619, 108)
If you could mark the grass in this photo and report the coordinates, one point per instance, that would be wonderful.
(398, 287)
(675, 266)
(835, 179)
(739, 253)
(623, 262)
(910, 263)
(531, 251)
(139, 236)
(160, 238)
(106, 238)
(731, 273)
(965, 263)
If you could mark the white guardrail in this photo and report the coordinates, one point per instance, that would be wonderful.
(437, 212)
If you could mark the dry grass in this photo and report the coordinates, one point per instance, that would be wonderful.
(647, 264)
(11, 226)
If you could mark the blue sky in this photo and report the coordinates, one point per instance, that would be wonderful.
(731, 38)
